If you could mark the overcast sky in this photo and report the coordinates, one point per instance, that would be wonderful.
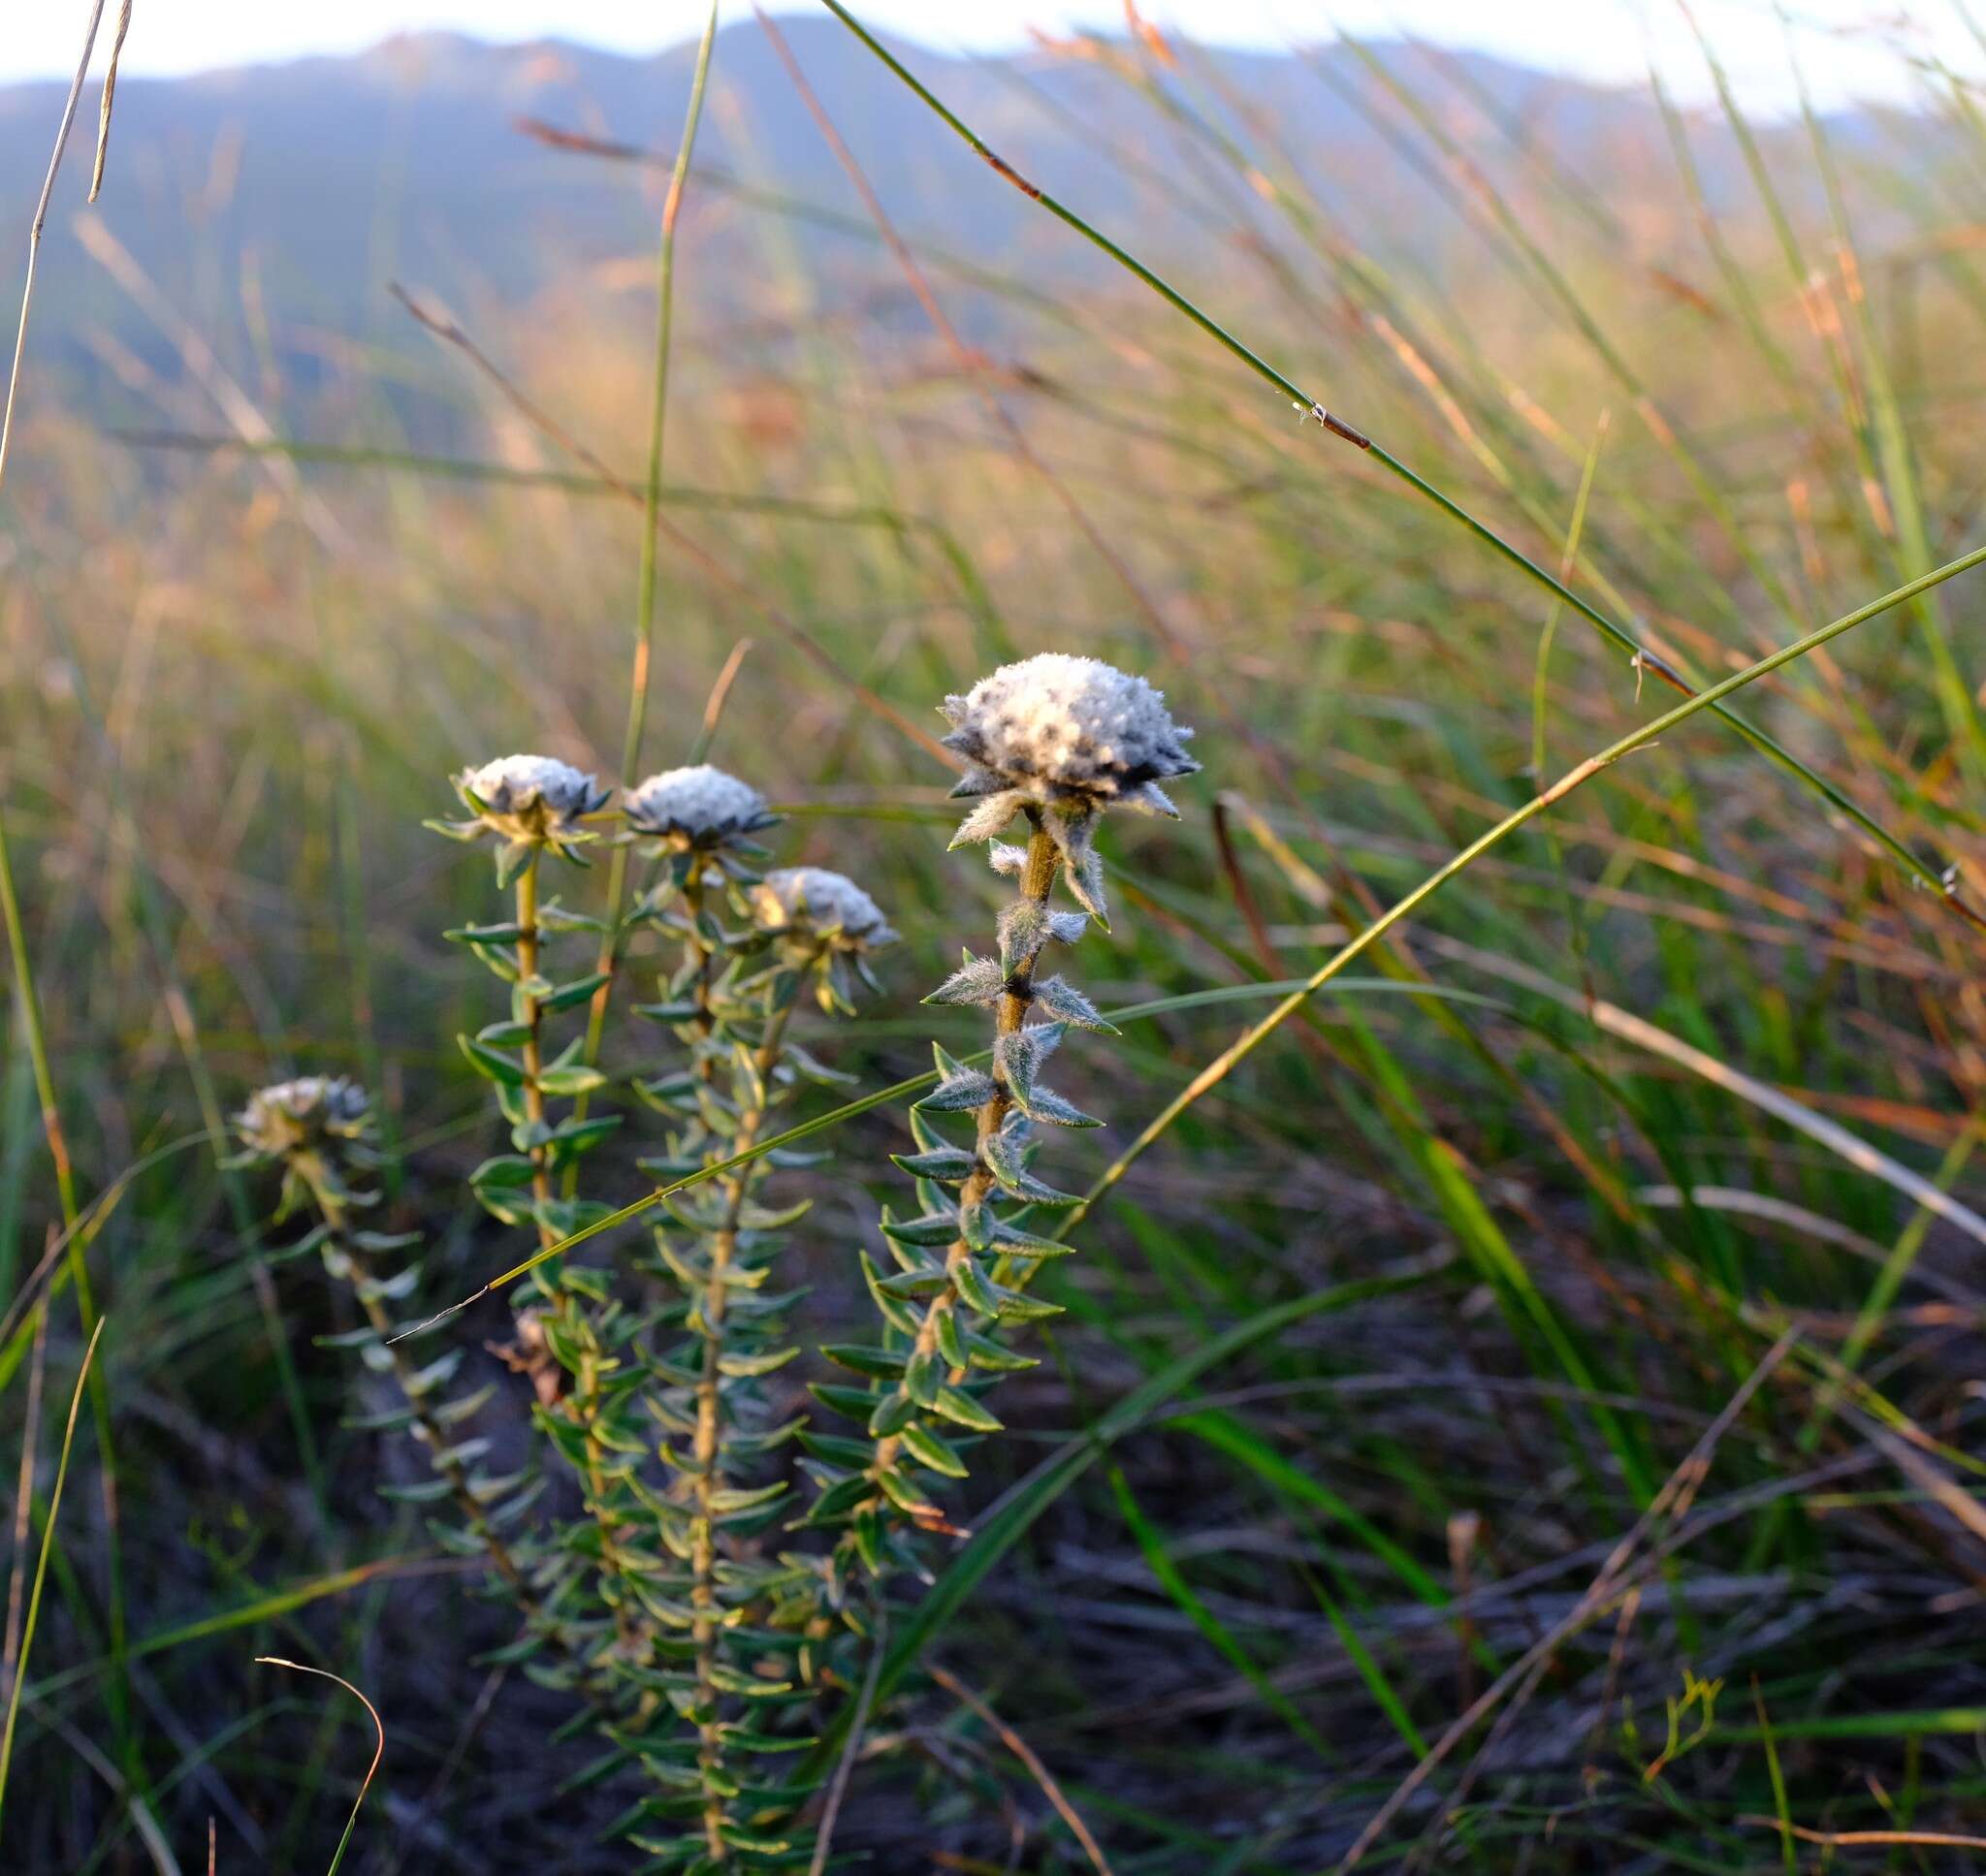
(1843, 55)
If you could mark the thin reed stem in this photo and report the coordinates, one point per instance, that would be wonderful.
(1576, 777)
(651, 536)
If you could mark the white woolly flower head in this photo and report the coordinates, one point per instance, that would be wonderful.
(524, 793)
(303, 1115)
(535, 800)
(699, 808)
(1069, 735)
(1057, 725)
(814, 904)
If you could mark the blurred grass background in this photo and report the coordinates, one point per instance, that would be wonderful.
(237, 679)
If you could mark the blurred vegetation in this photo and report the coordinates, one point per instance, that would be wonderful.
(1233, 1621)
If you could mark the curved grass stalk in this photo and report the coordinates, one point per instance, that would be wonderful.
(1581, 773)
(611, 937)
(1308, 406)
(378, 1751)
(34, 1603)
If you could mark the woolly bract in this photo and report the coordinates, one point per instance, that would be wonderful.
(1070, 733)
(815, 900)
(698, 806)
(534, 798)
(291, 1116)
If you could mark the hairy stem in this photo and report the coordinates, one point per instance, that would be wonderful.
(709, 1478)
(585, 1384)
(1038, 878)
(338, 1227)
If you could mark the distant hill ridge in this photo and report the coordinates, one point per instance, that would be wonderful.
(335, 175)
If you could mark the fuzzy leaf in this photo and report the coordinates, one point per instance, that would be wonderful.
(979, 980)
(1041, 1104)
(987, 818)
(1062, 1000)
(949, 1165)
(864, 1360)
(1022, 926)
(1012, 1242)
(936, 1228)
(1150, 799)
(984, 1353)
(973, 1286)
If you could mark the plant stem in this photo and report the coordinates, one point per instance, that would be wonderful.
(338, 1227)
(1038, 878)
(645, 585)
(709, 1479)
(585, 1384)
(1309, 406)
(1573, 778)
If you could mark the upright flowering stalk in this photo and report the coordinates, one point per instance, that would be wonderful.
(317, 1130)
(1055, 740)
(535, 805)
(736, 1621)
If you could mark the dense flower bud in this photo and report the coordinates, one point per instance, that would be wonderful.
(304, 1115)
(1071, 732)
(536, 799)
(814, 902)
(702, 808)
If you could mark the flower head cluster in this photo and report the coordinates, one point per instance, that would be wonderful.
(303, 1116)
(1067, 737)
(816, 904)
(529, 801)
(698, 809)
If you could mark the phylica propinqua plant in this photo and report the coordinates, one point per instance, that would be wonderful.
(736, 1625)
(570, 1331)
(318, 1129)
(1056, 740)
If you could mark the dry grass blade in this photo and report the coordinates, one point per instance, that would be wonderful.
(1029, 1757)
(378, 1751)
(96, 175)
(1308, 408)
(1671, 1502)
(1222, 1066)
(837, 1791)
(1644, 1034)
(30, 1439)
(34, 236)
(1834, 1839)
(34, 1601)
